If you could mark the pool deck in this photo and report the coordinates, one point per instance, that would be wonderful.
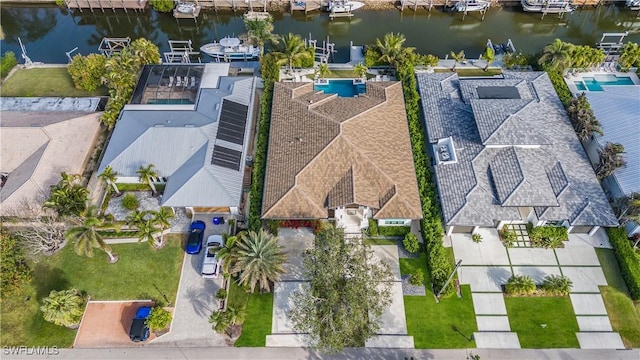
(571, 78)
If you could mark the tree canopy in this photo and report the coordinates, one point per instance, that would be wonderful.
(347, 293)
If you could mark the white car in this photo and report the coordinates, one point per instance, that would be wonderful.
(210, 264)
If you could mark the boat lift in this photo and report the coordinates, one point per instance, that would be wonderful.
(110, 46)
(322, 54)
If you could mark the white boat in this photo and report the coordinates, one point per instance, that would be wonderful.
(230, 49)
(547, 6)
(185, 8)
(472, 5)
(341, 6)
(633, 4)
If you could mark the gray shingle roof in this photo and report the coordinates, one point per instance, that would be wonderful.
(509, 153)
(179, 143)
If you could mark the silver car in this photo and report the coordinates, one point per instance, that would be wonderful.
(210, 265)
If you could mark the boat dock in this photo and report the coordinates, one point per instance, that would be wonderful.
(306, 6)
(426, 4)
(136, 5)
(234, 4)
(187, 10)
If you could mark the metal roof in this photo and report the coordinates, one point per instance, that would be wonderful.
(618, 110)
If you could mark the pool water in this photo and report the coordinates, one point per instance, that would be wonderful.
(595, 84)
(344, 88)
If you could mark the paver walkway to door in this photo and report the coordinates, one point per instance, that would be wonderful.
(486, 266)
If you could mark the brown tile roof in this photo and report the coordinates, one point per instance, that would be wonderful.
(333, 151)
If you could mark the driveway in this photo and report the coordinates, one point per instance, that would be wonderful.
(106, 324)
(196, 300)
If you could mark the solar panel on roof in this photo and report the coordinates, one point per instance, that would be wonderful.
(225, 157)
(233, 119)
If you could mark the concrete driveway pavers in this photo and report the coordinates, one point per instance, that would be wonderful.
(488, 252)
(484, 278)
(588, 304)
(532, 256)
(489, 304)
(295, 242)
(537, 273)
(585, 279)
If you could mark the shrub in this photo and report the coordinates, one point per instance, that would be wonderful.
(273, 226)
(411, 243)
(520, 285)
(7, 63)
(557, 285)
(87, 71)
(561, 87)
(373, 227)
(417, 278)
(477, 238)
(63, 308)
(14, 271)
(158, 319)
(507, 236)
(162, 5)
(548, 236)
(628, 259)
(393, 230)
(130, 202)
(221, 294)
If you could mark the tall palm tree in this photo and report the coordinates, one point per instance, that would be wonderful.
(630, 55)
(63, 308)
(86, 237)
(392, 49)
(457, 57)
(260, 32)
(227, 253)
(109, 177)
(146, 175)
(258, 259)
(582, 118)
(162, 217)
(489, 56)
(360, 70)
(558, 53)
(610, 159)
(145, 51)
(136, 218)
(291, 50)
(147, 231)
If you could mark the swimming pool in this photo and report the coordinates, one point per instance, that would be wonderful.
(595, 83)
(344, 88)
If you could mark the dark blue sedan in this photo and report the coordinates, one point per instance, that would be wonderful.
(196, 233)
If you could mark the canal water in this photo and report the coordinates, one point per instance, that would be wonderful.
(48, 32)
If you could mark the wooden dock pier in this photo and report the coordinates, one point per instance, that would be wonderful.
(306, 6)
(234, 4)
(426, 4)
(136, 5)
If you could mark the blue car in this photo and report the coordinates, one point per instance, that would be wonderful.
(139, 329)
(196, 233)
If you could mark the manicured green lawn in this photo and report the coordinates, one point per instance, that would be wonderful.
(341, 74)
(473, 72)
(44, 82)
(527, 314)
(141, 273)
(446, 325)
(374, 241)
(258, 323)
(623, 313)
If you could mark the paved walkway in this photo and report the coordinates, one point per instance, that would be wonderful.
(486, 266)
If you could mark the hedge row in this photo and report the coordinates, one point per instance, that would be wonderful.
(628, 259)
(561, 87)
(431, 225)
(270, 72)
(394, 230)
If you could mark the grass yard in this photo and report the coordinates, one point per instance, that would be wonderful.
(446, 325)
(44, 82)
(623, 313)
(379, 241)
(258, 323)
(341, 74)
(472, 72)
(526, 314)
(141, 273)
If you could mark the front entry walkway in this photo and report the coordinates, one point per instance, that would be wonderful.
(487, 266)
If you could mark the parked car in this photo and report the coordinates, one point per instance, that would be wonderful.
(139, 329)
(196, 233)
(211, 265)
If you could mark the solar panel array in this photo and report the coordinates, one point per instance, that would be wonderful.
(233, 119)
(226, 157)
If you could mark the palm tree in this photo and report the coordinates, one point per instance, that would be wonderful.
(147, 231)
(63, 308)
(323, 70)
(258, 259)
(291, 50)
(86, 236)
(162, 217)
(260, 32)
(136, 218)
(582, 118)
(68, 197)
(220, 321)
(488, 56)
(611, 158)
(146, 175)
(457, 57)
(391, 48)
(237, 316)
(630, 55)
(360, 70)
(558, 54)
(145, 52)
(227, 253)
(109, 177)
